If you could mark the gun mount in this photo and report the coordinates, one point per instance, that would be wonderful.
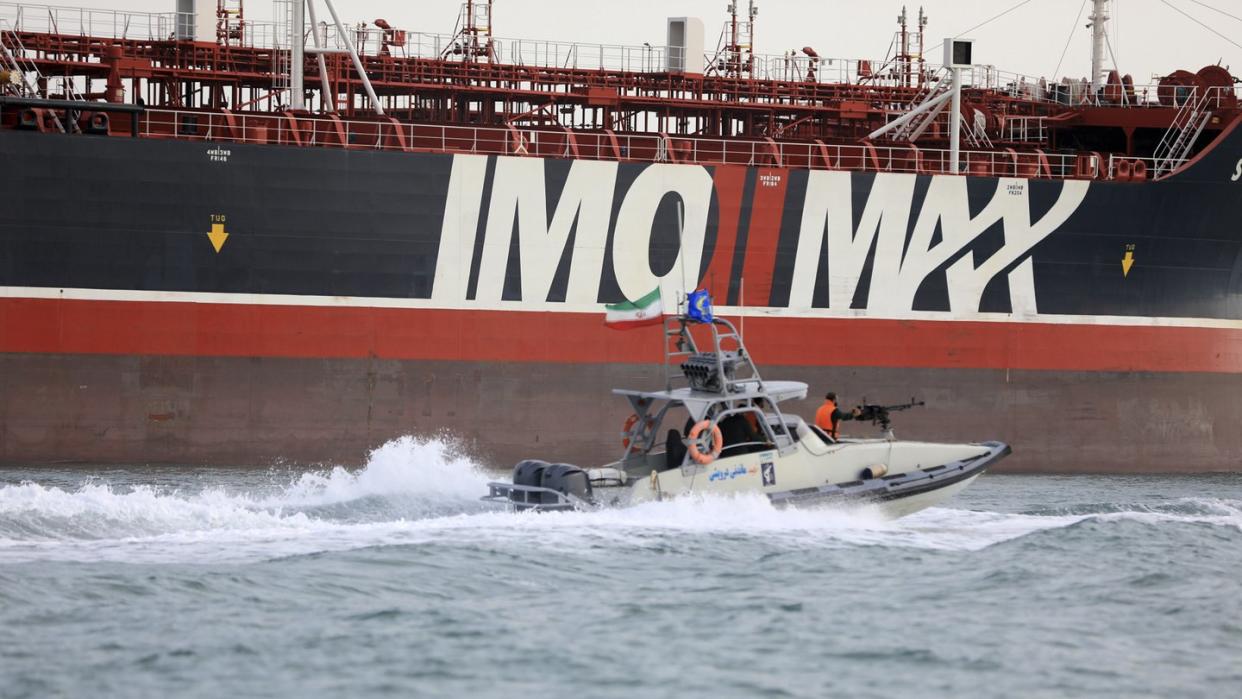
(882, 414)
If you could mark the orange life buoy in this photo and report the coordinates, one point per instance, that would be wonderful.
(625, 431)
(717, 443)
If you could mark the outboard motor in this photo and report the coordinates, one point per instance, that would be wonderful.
(567, 480)
(560, 478)
(529, 473)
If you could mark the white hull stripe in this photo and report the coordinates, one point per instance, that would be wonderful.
(129, 295)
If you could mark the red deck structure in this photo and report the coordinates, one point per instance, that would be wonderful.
(462, 94)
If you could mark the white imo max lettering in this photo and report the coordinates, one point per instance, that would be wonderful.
(945, 228)
(1237, 171)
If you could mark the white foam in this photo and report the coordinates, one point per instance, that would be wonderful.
(419, 491)
(430, 468)
(1213, 511)
(98, 520)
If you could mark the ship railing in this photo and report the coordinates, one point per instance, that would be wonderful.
(607, 57)
(94, 22)
(631, 58)
(1025, 129)
(1069, 92)
(14, 53)
(796, 67)
(15, 79)
(263, 34)
(1178, 143)
(776, 157)
(1019, 86)
(371, 40)
(647, 58)
(887, 73)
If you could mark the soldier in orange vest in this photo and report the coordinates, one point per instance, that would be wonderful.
(829, 416)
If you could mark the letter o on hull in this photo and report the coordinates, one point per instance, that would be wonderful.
(632, 241)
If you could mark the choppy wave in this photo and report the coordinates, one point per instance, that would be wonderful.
(405, 480)
(420, 491)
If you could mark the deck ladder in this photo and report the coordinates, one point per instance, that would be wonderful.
(976, 131)
(10, 63)
(1178, 142)
(12, 55)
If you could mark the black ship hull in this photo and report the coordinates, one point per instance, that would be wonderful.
(206, 303)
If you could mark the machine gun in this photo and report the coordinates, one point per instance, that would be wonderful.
(880, 414)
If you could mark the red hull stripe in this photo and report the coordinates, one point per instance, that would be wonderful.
(765, 232)
(730, 180)
(204, 329)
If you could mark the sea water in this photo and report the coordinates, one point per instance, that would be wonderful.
(394, 580)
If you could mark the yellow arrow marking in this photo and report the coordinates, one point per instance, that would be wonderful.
(1126, 263)
(217, 236)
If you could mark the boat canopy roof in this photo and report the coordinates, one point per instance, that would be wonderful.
(774, 391)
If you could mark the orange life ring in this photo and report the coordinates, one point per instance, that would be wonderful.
(625, 431)
(717, 443)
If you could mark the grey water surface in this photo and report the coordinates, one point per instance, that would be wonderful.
(394, 580)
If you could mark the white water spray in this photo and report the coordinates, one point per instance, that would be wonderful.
(419, 492)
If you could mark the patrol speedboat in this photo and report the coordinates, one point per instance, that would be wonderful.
(736, 439)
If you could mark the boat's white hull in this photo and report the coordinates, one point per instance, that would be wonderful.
(892, 508)
(895, 495)
(901, 507)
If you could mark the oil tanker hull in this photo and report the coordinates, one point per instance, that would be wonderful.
(205, 303)
(260, 411)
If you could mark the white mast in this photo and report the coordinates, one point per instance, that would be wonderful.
(1099, 44)
(955, 123)
(297, 56)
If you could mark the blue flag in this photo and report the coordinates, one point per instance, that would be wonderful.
(699, 306)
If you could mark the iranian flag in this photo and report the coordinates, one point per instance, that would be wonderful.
(635, 314)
